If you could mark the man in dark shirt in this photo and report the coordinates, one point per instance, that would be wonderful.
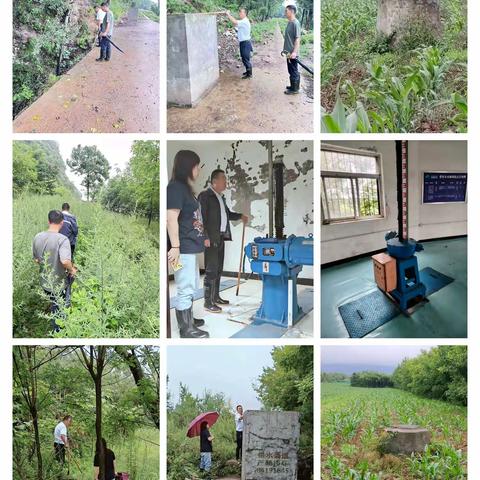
(69, 227)
(109, 463)
(216, 220)
(291, 45)
(206, 448)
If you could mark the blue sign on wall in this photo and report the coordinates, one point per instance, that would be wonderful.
(444, 187)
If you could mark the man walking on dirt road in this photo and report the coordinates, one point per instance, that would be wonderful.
(106, 33)
(244, 39)
(51, 250)
(291, 46)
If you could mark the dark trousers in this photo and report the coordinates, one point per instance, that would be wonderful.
(72, 249)
(59, 449)
(66, 294)
(105, 48)
(292, 66)
(238, 453)
(246, 50)
(214, 256)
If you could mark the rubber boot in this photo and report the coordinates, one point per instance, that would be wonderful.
(100, 58)
(216, 297)
(209, 293)
(248, 74)
(186, 327)
(295, 88)
(198, 322)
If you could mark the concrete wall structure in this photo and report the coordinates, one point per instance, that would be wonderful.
(246, 167)
(395, 15)
(192, 57)
(270, 444)
(426, 221)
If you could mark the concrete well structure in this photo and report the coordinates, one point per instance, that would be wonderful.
(406, 439)
(395, 15)
(270, 444)
(192, 58)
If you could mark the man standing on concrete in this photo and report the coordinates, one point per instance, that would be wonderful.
(100, 14)
(60, 442)
(216, 220)
(51, 250)
(291, 47)
(69, 227)
(239, 431)
(106, 33)
(244, 39)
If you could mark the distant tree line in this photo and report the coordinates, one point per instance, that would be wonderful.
(371, 380)
(333, 377)
(440, 373)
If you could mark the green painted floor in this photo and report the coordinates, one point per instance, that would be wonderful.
(444, 316)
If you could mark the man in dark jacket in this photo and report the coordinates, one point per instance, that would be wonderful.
(216, 221)
(69, 227)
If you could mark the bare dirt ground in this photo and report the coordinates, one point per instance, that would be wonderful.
(254, 105)
(117, 96)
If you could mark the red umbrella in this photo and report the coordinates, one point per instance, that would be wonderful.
(194, 427)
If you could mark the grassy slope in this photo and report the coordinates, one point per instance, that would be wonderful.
(350, 42)
(353, 418)
(116, 293)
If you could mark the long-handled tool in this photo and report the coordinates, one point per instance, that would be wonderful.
(116, 46)
(241, 260)
(307, 68)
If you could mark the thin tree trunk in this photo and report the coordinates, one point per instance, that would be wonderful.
(98, 426)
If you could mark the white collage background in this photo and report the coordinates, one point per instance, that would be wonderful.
(6, 137)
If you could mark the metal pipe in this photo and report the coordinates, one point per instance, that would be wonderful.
(270, 187)
(278, 169)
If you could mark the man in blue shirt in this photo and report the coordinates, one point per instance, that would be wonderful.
(69, 227)
(244, 39)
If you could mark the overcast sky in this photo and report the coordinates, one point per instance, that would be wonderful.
(116, 151)
(231, 370)
(348, 359)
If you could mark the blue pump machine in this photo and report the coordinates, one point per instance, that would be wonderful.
(278, 261)
(409, 290)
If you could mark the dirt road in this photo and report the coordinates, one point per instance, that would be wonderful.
(117, 96)
(255, 105)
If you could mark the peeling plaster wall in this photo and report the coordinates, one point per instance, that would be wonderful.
(246, 166)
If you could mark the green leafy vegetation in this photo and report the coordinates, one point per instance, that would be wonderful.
(372, 84)
(51, 36)
(334, 377)
(354, 419)
(51, 382)
(287, 385)
(371, 380)
(115, 293)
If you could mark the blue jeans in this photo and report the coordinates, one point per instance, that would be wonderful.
(205, 461)
(105, 47)
(186, 280)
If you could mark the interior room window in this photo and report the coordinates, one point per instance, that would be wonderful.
(351, 185)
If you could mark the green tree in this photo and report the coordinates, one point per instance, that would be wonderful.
(24, 167)
(89, 163)
(288, 385)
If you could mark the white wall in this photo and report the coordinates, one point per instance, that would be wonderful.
(347, 239)
(246, 167)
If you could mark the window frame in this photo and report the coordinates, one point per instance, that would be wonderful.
(353, 177)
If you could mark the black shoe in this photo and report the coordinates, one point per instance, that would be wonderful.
(186, 327)
(198, 322)
(99, 59)
(209, 292)
(216, 296)
(245, 74)
(107, 59)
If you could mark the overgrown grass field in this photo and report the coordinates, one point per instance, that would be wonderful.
(116, 291)
(353, 420)
(370, 84)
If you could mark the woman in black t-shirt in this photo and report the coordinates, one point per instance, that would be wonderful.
(109, 463)
(186, 239)
(206, 449)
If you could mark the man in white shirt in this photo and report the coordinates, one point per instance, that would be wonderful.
(244, 39)
(60, 442)
(216, 223)
(99, 19)
(239, 431)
